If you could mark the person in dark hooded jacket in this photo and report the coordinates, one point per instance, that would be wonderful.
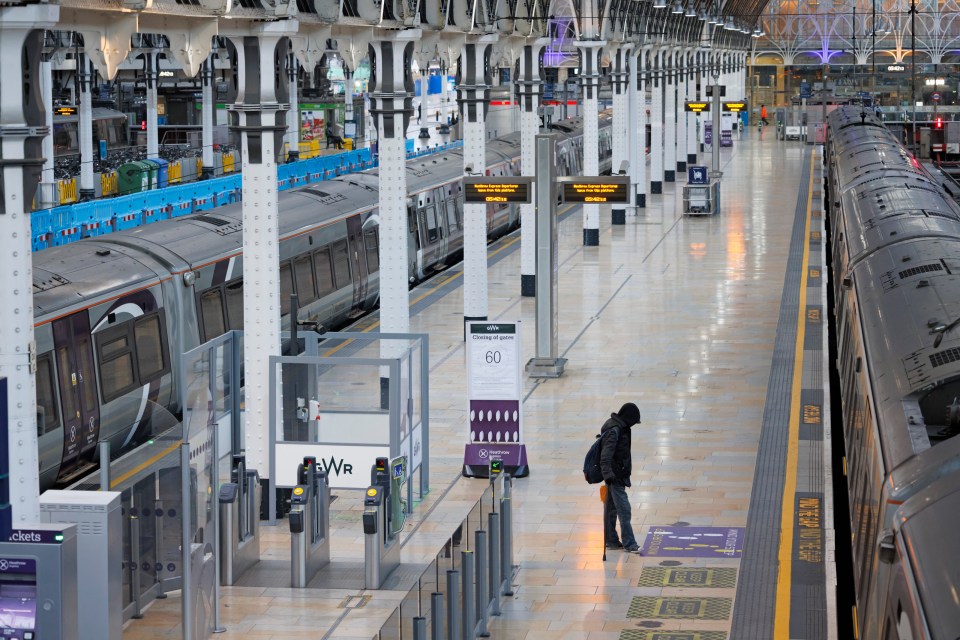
(616, 464)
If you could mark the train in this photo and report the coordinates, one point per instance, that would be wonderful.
(894, 252)
(113, 313)
(109, 125)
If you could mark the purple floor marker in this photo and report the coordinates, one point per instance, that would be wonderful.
(694, 542)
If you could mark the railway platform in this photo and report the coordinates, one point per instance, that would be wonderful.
(713, 326)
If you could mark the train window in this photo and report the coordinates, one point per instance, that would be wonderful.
(373, 251)
(211, 313)
(453, 223)
(303, 271)
(433, 229)
(70, 407)
(46, 398)
(116, 361)
(286, 287)
(234, 300)
(341, 264)
(89, 386)
(151, 360)
(321, 264)
(116, 376)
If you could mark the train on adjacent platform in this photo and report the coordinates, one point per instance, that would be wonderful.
(113, 313)
(895, 256)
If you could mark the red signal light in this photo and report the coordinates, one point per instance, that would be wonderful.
(939, 122)
(143, 125)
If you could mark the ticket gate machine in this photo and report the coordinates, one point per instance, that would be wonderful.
(309, 519)
(383, 517)
(38, 583)
(239, 522)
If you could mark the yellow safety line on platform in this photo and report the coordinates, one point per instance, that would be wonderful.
(781, 625)
(140, 467)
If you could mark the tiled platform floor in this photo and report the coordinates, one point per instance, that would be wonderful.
(677, 314)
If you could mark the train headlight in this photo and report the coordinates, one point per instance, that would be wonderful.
(189, 278)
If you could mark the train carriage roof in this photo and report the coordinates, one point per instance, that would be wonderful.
(85, 271)
(928, 525)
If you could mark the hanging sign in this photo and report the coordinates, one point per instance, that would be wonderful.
(494, 392)
(734, 107)
(696, 107)
(600, 190)
(481, 190)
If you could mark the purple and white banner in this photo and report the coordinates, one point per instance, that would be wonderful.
(494, 387)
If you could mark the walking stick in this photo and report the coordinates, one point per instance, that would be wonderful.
(603, 501)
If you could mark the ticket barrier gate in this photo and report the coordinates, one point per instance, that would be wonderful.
(383, 517)
(309, 519)
(38, 578)
(239, 523)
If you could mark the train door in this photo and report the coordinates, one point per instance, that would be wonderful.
(78, 389)
(358, 261)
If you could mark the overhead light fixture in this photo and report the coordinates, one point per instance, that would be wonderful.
(756, 33)
(715, 19)
(690, 12)
(702, 16)
(677, 8)
(730, 26)
(659, 4)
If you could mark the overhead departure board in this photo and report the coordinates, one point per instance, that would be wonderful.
(697, 107)
(480, 189)
(734, 107)
(600, 190)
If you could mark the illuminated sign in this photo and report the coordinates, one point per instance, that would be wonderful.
(935, 82)
(896, 67)
(601, 190)
(697, 107)
(65, 111)
(734, 107)
(480, 190)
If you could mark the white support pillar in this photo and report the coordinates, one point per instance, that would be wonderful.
(683, 73)
(293, 115)
(590, 83)
(691, 119)
(529, 93)
(206, 106)
(638, 139)
(670, 117)
(474, 99)
(620, 83)
(152, 75)
(261, 116)
(85, 128)
(46, 78)
(656, 123)
(391, 106)
(348, 114)
(22, 128)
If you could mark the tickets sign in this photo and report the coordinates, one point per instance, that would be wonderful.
(481, 190)
(600, 190)
(697, 107)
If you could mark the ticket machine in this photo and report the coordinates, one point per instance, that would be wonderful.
(38, 583)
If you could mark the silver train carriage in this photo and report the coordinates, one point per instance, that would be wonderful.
(895, 250)
(114, 313)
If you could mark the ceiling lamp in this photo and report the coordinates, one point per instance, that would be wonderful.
(690, 12)
(730, 26)
(659, 4)
(702, 16)
(677, 8)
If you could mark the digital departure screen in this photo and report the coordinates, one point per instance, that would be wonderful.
(696, 107)
(602, 190)
(481, 190)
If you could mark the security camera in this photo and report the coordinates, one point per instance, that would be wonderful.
(468, 168)
(624, 167)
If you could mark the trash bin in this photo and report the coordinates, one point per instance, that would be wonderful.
(163, 172)
(133, 177)
(153, 168)
(348, 144)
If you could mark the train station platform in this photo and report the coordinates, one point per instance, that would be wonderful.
(712, 325)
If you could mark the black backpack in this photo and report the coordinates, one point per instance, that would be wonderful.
(591, 462)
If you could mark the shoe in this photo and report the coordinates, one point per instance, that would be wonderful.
(616, 544)
(634, 549)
